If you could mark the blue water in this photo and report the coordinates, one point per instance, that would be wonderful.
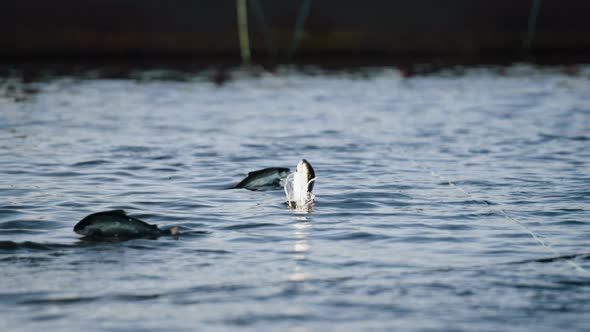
(454, 201)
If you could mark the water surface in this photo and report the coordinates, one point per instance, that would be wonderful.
(444, 202)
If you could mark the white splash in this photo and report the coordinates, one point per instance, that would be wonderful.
(296, 186)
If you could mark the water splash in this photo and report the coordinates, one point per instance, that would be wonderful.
(298, 197)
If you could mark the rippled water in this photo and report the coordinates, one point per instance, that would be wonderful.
(450, 201)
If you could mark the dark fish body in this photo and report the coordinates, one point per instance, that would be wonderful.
(264, 179)
(117, 224)
(307, 172)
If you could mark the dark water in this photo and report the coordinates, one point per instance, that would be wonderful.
(445, 202)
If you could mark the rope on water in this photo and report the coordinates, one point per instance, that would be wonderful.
(541, 240)
(532, 25)
(242, 13)
(299, 25)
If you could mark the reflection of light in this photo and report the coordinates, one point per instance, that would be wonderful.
(297, 329)
(301, 246)
(301, 230)
(303, 224)
(297, 277)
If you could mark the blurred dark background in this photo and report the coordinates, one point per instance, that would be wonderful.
(506, 30)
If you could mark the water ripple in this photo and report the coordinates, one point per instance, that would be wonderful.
(429, 190)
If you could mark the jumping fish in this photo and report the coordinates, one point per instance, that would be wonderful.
(299, 185)
(117, 224)
(264, 179)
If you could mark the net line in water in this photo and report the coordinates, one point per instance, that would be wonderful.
(540, 239)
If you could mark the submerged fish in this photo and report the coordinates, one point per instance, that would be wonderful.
(299, 185)
(264, 179)
(117, 224)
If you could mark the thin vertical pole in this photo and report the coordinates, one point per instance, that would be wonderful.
(532, 25)
(299, 25)
(243, 30)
